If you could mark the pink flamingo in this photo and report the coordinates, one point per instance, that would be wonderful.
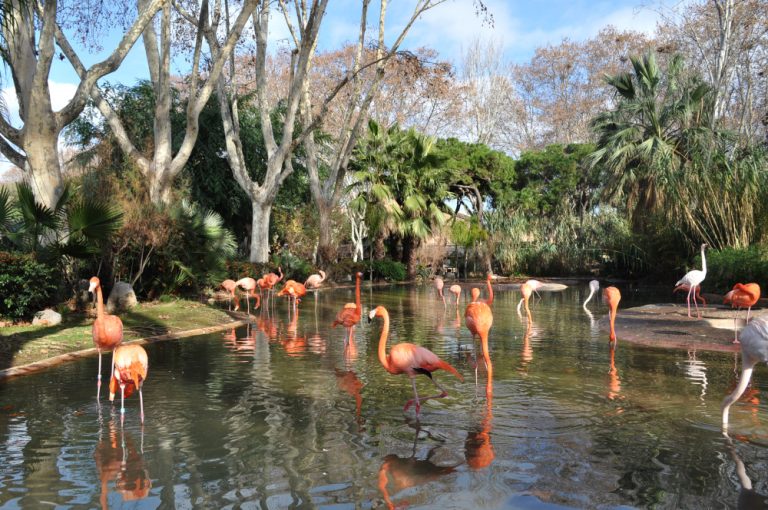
(697, 293)
(249, 286)
(456, 289)
(229, 286)
(439, 286)
(410, 359)
(742, 295)
(479, 319)
(129, 371)
(350, 315)
(107, 330)
(611, 297)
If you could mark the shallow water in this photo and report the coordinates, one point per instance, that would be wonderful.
(282, 416)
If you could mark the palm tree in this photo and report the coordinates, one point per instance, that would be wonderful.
(659, 125)
(406, 190)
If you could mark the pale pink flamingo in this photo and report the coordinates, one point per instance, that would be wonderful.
(315, 280)
(130, 366)
(229, 286)
(439, 286)
(249, 286)
(410, 359)
(456, 289)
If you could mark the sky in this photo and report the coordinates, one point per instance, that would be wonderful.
(520, 26)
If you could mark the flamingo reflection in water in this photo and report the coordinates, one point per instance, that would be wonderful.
(478, 450)
(749, 498)
(526, 352)
(614, 383)
(294, 344)
(122, 464)
(405, 472)
(348, 381)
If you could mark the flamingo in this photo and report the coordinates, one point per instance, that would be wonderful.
(594, 286)
(107, 330)
(535, 286)
(314, 281)
(410, 359)
(754, 349)
(696, 295)
(611, 297)
(271, 279)
(249, 286)
(489, 300)
(230, 286)
(479, 319)
(742, 295)
(439, 286)
(693, 279)
(526, 290)
(295, 291)
(456, 289)
(350, 315)
(129, 371)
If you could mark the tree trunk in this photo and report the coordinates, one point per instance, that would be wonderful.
(43, 168)
(410, 247)
(160, 189)
(326, 251)
(379, 248)
(262, 210)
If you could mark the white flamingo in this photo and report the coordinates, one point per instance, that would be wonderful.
(594, 286)
(754, 349)
(693, 279)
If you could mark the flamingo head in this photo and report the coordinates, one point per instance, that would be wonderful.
(489, 277)
(359, 274)
(728, 297)
(93, 284)
(475, 294)
(379, 311)
(704, 245)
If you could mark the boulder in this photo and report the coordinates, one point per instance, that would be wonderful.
(47, 317)
(121, 298)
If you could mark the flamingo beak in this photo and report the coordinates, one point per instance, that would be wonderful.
(91, 288)
(371, 315)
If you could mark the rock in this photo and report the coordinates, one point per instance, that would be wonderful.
(47, 317)
(121, 298)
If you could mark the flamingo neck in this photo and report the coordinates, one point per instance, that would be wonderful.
(357, 294)
(490, 292)
(99, 303)
(486, 354)
(591, 293)
(703, 262)
(383, 358)
(612, 314)
(322, 275)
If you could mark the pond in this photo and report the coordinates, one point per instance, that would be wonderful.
(280, 415)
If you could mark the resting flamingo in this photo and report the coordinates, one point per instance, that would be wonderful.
(526, 291)
(315, 280)
(350, 315)
(742, 295)
(697, 293)
(249, 286)
(594, 286)
(479, 319)
(130, 365)
(611, 297)
(295, 291)
(229, 286)
(693, 279)
(754, 349)
(439, 286)
(410, 359)
(456, 289)
(107, 330)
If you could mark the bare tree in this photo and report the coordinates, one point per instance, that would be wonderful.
(161, 168)
(28, 50)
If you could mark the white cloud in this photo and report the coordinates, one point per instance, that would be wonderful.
(61, 93)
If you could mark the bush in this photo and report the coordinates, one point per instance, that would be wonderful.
(729, 266)
(294, 268)
(389, 270)
(27, 286)
(345, 268)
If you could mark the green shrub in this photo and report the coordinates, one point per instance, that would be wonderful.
(26, 286)
(389, 270)
(344, 269)
(294, 268)
(729, 266)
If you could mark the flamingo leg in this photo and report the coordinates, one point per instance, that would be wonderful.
(688, 301)
(749, 309)
(696, 303)
(141, 405)
(415, 398)
(746, 373)
(122, 398)
(98, 376)
(442, 394)
(735, 331)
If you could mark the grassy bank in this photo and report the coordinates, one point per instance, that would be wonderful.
(20, 345)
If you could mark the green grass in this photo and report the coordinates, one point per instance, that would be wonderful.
(20, 345)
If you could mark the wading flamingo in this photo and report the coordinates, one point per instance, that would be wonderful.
(535, 286)
(350, 315)
(697, 293)
(107, 329)
(488, 301)
(249, 286)
(693, 279)
(410, 359)
(754, 349)
(611, 297)
(130, 366)
(594, 286)
(526, 291)
(439, 284)
(295, 291)
(456, 289)
(315, 280)
(479, 319)
(742, 295)
(229, 286)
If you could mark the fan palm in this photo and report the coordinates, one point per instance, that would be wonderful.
(658, 126)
